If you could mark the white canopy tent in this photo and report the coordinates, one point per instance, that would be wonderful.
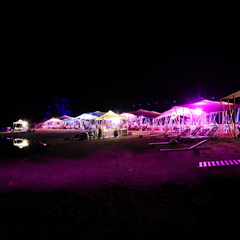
(176, 116)
(20, 125)
(86, 120)
(110, 122)
(79, 120)
(86, 116)
(177, 111)
(110, 115)
(20, 121)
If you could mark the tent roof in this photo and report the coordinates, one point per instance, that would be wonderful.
(209, 106)
(205, 106)
(19, 121)
(145, 113)
(64, 117)
(90, 115)
(110, 115)
(176, 110)
(86, 116)
(236, 94)
(97, 113)
(129, 116)
(53, 120)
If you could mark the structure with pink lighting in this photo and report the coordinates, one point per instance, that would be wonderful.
(204, 114)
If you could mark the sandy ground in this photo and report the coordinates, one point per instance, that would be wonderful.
(113, 188)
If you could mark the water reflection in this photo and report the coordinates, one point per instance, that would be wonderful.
(20, 147)
(20, 142)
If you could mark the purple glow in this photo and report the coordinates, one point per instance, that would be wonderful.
(210, 106)
(200, 103)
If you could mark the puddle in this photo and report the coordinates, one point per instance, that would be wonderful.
(20, 147)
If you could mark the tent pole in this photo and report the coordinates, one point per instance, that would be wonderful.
(219, 123)
(183, 121)
(222, 122)
(226, 118)
(234, 116)
(177, 119)
(230, 112)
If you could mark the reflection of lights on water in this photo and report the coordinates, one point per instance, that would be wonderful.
(43, 144)
(21, 143)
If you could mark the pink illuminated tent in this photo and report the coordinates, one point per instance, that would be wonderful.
(129, 116)
(198, 110)
(205, 106)
(141, 114)
(64, 117)
(176, 111)
(210, 106)
(52, 123)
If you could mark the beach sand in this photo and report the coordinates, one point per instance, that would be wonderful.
(118, 187)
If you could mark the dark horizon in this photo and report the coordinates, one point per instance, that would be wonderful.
(103, 70)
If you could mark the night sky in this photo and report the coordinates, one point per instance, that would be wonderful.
(115, 65)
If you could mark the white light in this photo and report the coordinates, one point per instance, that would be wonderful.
(116, 120)
(24, 123)
(198, 111)
(174, 116)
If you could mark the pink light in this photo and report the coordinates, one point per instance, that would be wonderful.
(198, 111)
(200, 103)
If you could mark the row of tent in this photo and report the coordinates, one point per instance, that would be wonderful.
(187, 110)
(205, 106)
(83, 119)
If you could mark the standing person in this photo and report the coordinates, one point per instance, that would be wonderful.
(115, 133)
(99, 131)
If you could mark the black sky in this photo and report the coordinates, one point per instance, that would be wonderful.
(100, 66)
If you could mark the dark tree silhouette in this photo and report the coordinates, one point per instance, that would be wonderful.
(59, 107)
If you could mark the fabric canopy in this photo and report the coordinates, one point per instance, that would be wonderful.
(145, 113)
(90, 115)
(20, 121)
(129, 116)
(86, 116)
(205, 106)
(109, 116)
(236, 95)
(97, 113)
(177, 111)
(64, 117)
(210, 106)
(53, 120)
